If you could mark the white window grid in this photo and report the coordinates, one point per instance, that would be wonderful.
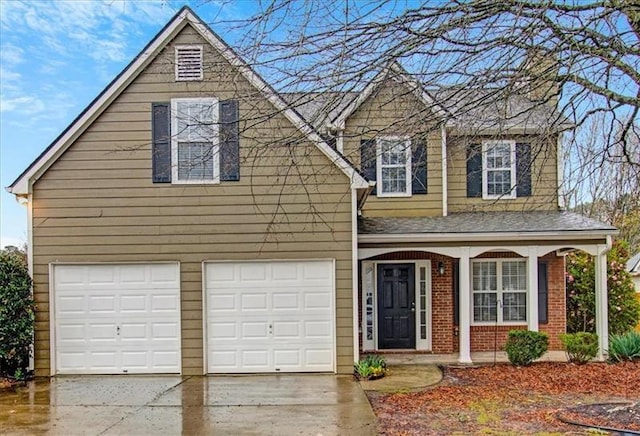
(499, 289)
(498, 169)
(393, 166)
(195, 141)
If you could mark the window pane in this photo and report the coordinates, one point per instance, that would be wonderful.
(195, 161)
(484, 276)
(514, 306)
(514, 276)
(394, 180)
(485, 307)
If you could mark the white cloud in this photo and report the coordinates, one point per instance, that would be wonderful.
(11, 54)
(25, 105)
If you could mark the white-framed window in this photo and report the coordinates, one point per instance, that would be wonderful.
(499, 288)
(194, 141)
(393, 166)
(498, 169)
(188, 62)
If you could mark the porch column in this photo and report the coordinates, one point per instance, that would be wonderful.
(532, 285)
(464, 307)
(602, 313)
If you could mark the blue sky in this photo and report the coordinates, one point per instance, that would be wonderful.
(55, 57)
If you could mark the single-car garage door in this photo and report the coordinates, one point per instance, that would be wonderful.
(114, 319)
(275, 316)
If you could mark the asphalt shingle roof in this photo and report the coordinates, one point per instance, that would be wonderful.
(483, 222)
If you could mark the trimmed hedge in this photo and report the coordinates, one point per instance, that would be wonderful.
(524, 346)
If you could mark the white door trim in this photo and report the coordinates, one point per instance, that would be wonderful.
(421, 344)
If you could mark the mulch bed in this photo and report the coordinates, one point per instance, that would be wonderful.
(517, 400)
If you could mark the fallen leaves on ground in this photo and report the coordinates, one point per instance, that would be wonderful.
(505, 398)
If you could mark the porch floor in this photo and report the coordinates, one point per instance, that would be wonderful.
(451, 359)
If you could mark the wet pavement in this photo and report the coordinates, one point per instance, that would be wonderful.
(134, 405)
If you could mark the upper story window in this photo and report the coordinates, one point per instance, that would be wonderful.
(194, 142)
(499, 291)
(393, 166)
(498, 169)
(188, 62)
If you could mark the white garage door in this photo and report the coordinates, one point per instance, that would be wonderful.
(270, 316)
(114, 319)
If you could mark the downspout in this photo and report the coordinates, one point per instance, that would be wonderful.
(354, 273)
(445, 201)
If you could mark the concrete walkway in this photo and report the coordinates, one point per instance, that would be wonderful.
(404, 378)
(257, 404)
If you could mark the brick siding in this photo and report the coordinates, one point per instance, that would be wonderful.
(483, 338)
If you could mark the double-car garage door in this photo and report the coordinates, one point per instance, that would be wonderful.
(275, 316)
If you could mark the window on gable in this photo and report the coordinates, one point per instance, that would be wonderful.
(188, 62)
(498, 169)
(393, 167)
(194, 143)
(499, 291)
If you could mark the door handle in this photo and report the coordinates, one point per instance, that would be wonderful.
(413, 307)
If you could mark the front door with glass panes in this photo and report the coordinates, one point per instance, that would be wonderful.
(396, 306)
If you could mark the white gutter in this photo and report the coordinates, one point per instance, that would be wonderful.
(354, 274)
(445, 200)
(482, 237)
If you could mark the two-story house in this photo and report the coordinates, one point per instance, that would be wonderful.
(194, 220)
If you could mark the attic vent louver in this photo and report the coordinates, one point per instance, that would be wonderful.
(189, 62)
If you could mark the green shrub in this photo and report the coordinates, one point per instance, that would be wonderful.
(623, 304)
(16, 313)
(372, 366)
(624, 347)
(523, 346)
(581, 347)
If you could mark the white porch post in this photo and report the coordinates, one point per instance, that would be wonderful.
(464, 308)
(532, 277)
(602, 313)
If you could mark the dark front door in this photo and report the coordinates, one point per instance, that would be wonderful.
(396, 306)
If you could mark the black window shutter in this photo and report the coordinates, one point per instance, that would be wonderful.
(523, 170)
(161, 142)
(543, 294)
(368, 160)
(474, 170)
(419, 167)
(229, 140)
(455, 280)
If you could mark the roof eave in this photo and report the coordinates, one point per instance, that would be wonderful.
(485, 237)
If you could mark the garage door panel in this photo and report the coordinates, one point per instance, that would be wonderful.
(270, 316)
(116, 318)
(253, 301)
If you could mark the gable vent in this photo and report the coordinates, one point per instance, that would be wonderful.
(189, 62)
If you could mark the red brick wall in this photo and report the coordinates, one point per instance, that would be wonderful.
(483, 338)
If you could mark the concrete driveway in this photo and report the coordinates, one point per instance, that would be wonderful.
(134, 405)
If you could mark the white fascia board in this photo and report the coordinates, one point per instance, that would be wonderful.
(22, 185)
(483, 237)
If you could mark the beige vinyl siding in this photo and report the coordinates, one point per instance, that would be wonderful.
(97, 203)
(394, 110)
(543, 177)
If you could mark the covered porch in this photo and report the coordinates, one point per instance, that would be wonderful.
(456, 285)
